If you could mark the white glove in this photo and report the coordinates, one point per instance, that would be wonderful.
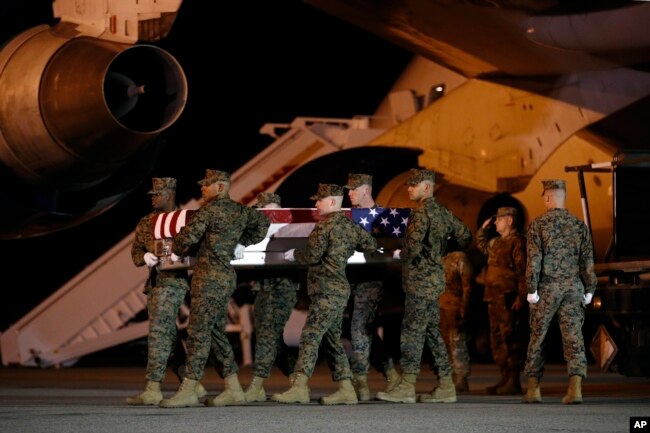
(175, 258)
(239, 251)
(397, 254)
(533, 298)
(586, 298)
(150, 259)
(288, 255)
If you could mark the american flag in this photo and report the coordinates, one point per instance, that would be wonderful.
(381, 221)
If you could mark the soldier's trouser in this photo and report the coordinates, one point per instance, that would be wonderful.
(505, 340)
(324, 323)
(162, 306)
(421, 324)
(455, 341)
(363, 330)
(272, 310)
(207, 327)
(566, 301)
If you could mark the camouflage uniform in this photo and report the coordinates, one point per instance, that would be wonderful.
(505, 282)
(423, 279)
(217, 227)
(329, 246)
(561, 269)
(454, 303)
(165, 291)
(274, 301)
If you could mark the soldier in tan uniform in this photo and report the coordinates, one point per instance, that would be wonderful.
(329, 246)
(221, 229)
(505, 294)
(560, 281)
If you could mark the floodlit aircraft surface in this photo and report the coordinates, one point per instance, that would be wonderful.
(81, 105)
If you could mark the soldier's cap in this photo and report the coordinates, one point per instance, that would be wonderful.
(506, 211)
(553, 184)
(212, 176)
(419, 175)
(161, 184)
(266, 198)
(355, 180)
(327, 190)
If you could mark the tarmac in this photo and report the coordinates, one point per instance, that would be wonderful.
(92, 399)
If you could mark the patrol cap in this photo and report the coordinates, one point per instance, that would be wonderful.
(327, 190)
(553, 184)
(506, 211)
(160, 184)
(266, 198)
(355, 180)
(418, 175)
(212, 176)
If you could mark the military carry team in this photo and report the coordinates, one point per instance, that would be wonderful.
(528, 280)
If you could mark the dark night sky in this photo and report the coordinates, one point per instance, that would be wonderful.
(245, 65)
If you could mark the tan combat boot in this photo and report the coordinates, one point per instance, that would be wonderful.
(360, 382)
(512, 385)
(200, 390)
(533, 394)
(345, 395)
(445, 392)
(298, 393)
(255, 391)
(233, 394)
(492, 390)
(574, 394)
(404, 392)
(185, 396)
(150, 396)
(392, 379)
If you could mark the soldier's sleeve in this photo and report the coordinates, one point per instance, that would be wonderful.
(193, 231)
(415, 232)
(256, 229)
(316, 246)
(466, 272)
(586, 262)
(534, 254)
(519, 261)
(461, 232)
(483, 240)
(367, 242)
(138, 247)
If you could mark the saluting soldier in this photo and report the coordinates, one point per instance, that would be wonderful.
(423, 279)
(329, 246)
(560, 280)
(221, 229)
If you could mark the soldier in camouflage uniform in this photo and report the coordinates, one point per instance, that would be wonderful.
(423, 279)
(560, 280)
(221, 228)
(454, 303)
(505, 294)
(165, 292)
(274, 300)
(367, 296)
(329, 246)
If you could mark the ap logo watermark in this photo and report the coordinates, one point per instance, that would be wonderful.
(640, 423)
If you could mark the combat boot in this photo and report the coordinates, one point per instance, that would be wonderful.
(233, 394)
(392, 379)
(492, 390)
(512, 385)
(404, 392)
(185, 396)
(360, 382)
(200, 390)
(345, 395)
(461, 384)
(150, 396)
(533, 394)
(445, 392)
(574, 394)
(255, 391)
(298, 393)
